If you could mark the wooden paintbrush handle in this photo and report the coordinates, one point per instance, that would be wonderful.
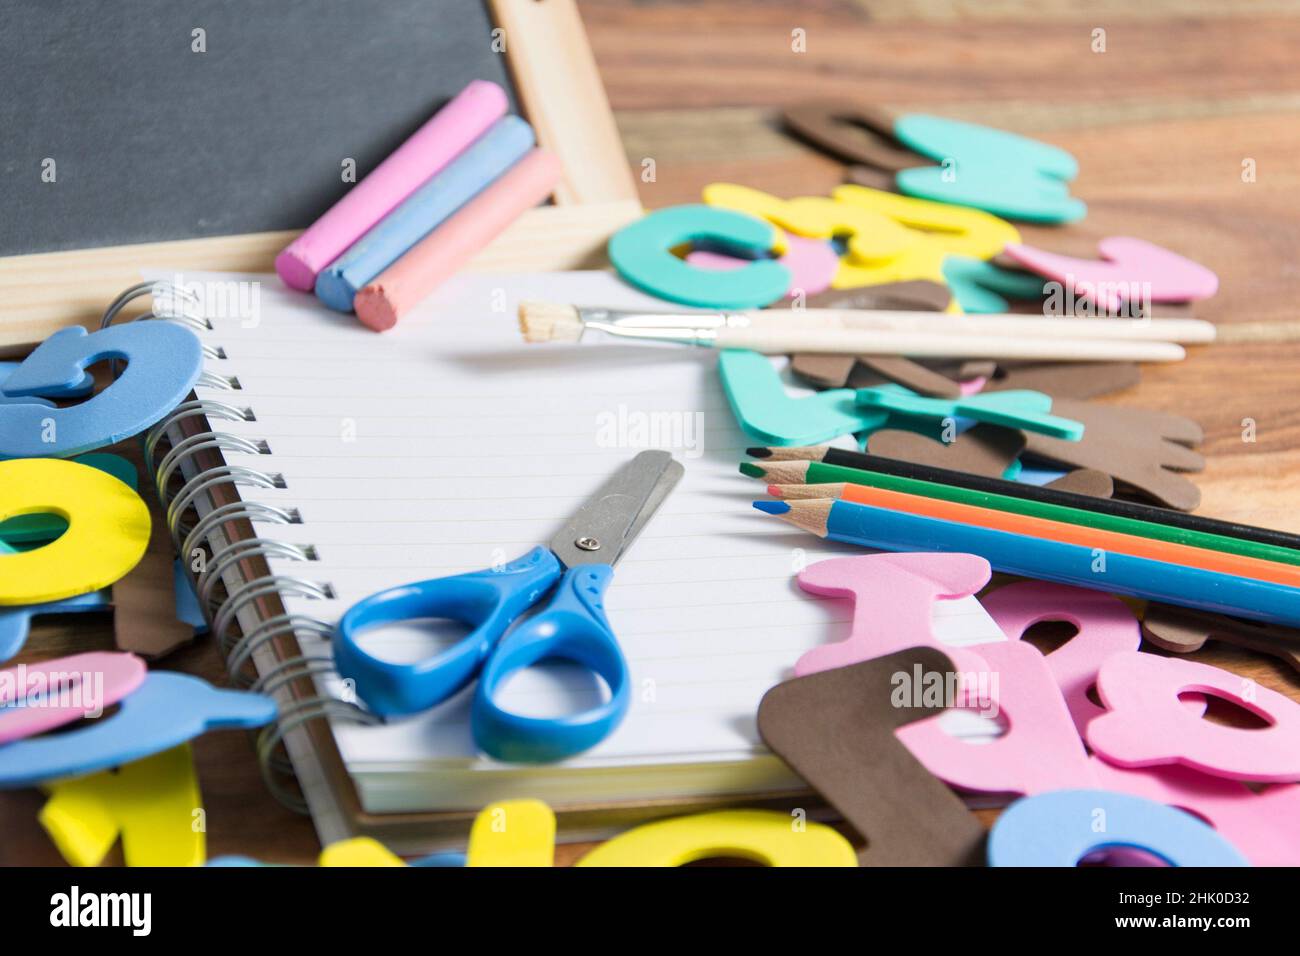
(780, 341)
(1006, 324)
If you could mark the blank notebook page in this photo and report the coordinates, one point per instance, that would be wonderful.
(448, 445)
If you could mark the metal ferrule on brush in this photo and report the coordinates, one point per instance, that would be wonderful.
(685, 328)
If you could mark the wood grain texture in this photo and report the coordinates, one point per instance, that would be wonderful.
(713, 53)
(41, 293)
(1160, 123)
(561, 94)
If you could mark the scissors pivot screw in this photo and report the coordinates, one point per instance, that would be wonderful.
(588, 544)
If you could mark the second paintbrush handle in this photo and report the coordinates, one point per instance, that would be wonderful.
(775, 340)
(1147, 330)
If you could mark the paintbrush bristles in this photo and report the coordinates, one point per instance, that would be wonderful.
(549, 322)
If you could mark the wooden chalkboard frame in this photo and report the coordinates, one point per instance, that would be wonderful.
(560, 93)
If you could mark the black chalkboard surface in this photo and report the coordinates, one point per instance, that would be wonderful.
(152, 140)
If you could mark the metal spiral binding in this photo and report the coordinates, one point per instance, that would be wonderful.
(199, 537)
(194, 444)
(250, 510)
(195, 408)
(210, 379)
(162, 292)
(159, 291)
(267, 585)
(268, 629)
(242, 550)
(205, 481)
(291, 717)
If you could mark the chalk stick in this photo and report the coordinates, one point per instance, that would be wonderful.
(441, 253)
(487, 158)
(428, 150)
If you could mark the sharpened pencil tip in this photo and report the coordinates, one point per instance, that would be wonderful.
(759, 452)
(775, 491)
(772, 507)
(751, 469)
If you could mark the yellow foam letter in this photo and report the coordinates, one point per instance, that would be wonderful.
(359, 851)
(108, 529)
(763, 836)
(150, 803)
(513, 833)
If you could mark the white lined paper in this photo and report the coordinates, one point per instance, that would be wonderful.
(447, 445)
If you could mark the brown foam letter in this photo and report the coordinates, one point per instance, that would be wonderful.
(1183, 631)
(852, 132)
(836, 730)
(1142, 449)
(980, 450)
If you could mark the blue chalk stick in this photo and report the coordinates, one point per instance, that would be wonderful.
(487, 158)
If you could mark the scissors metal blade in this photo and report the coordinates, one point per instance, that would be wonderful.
(600, 531)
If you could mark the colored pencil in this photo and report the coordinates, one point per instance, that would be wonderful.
(1044, 559)
(1071, 516)
(1018, 496)
(1085, 536)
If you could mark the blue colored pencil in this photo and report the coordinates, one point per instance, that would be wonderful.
(1043, 558)
(484, 161)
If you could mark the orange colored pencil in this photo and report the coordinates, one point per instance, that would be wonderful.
(1133, 545)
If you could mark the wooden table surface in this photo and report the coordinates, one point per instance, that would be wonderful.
(1161, 123)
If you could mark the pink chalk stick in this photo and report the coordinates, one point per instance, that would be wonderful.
(35, 698)
(1128, 268)
(441, 253)
(1146, 725)
(429, 149)
(1105, 626)
(893, 600)
(812, 263)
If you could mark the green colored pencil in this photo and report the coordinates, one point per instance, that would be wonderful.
(780, 474)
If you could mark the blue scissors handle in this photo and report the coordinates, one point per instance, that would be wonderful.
(488, 601)
(571, 627)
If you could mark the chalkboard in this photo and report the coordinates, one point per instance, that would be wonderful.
(119, 123)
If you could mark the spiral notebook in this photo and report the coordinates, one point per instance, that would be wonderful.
(357, 461)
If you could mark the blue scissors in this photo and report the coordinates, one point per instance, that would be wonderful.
(572, 626)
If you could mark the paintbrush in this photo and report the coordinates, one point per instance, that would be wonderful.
(860, 332)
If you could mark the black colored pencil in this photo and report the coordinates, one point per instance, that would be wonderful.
(946, 476)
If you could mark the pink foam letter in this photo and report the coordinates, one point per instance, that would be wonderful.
(1146, 724)
(893, 597)
(1104, 623)
(35, 698)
